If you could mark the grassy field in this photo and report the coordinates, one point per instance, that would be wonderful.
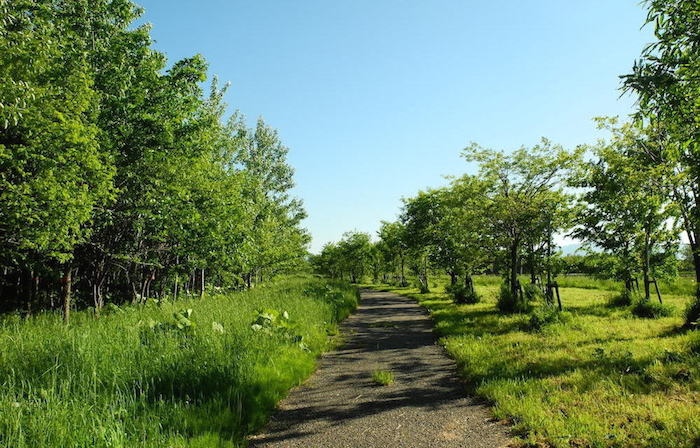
(594, 376)
(200, 373)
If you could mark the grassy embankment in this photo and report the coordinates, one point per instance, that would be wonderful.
(597, 376)
(158, 375)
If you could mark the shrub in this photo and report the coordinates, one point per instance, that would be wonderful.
(692, 313)
(461, 294)
(542, 316)
(532, 292)
(622, 300)
(651, 310)
(694, 344)
(512, 303)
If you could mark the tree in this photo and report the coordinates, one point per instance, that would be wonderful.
(525, 197)
(276, 236)
(667, 82)
(355, 249)
(420, 217)
(626, 208)
(393, 247)
(54, 175)
(467, 223)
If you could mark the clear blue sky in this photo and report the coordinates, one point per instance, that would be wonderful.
(376, 98)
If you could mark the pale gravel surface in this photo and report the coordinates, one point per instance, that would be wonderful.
(341, 406)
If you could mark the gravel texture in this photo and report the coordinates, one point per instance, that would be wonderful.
(342, 406)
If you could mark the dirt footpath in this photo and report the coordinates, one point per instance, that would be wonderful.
(341, 405)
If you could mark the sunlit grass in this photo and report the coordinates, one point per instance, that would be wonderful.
(602, 377)
(134, 378)
(383, 377)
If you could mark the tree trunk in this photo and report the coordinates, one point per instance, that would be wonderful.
(453, 278)
(29, 289)
(67, 292)
(696, 263)
(533, 272)
(175, 287)
(514, 268)
(468, 283)
(201, 284)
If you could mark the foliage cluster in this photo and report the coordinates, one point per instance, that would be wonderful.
(121, 177)
(187, 373)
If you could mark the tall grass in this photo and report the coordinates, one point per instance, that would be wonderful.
(160, 375)
(593, 376)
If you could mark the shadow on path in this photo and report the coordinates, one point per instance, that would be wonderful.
(341, 406)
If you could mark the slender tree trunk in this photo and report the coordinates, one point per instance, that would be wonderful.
(514, 267)
(29, 291)
(695, 247)
(201, 290)
(646, 265)
(175, 290)
(468, 283)
(531, 259)
(67, 292)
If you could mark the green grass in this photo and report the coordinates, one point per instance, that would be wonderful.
(383, 377)
(595, 376)
(154, 377)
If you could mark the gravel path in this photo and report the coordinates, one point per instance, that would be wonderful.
(341, 406)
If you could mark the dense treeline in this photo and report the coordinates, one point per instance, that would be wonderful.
(120, 178)
(628, 199)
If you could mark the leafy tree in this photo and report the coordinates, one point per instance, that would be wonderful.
(275, 236)
(329, 261)
(667, 82)
(356, 250)
(392, 245)
(626, 208)
(420, 217)
(525, 199)
(53, 174)
(466, 224)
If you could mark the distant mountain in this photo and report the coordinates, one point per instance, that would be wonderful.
(569, 249)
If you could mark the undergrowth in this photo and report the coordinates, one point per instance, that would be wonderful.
(190, 373)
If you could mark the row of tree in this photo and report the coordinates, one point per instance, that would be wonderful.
(121, 179)
(629, 197)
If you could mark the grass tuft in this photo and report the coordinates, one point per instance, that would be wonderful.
(383, 377)
(651, 310)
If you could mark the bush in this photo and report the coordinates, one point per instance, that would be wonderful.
(692, 313)
(651, 310)
(622, 300)
(460, 294)
(512, 303)
(532, 292)
(542, 316)
(694, 343)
